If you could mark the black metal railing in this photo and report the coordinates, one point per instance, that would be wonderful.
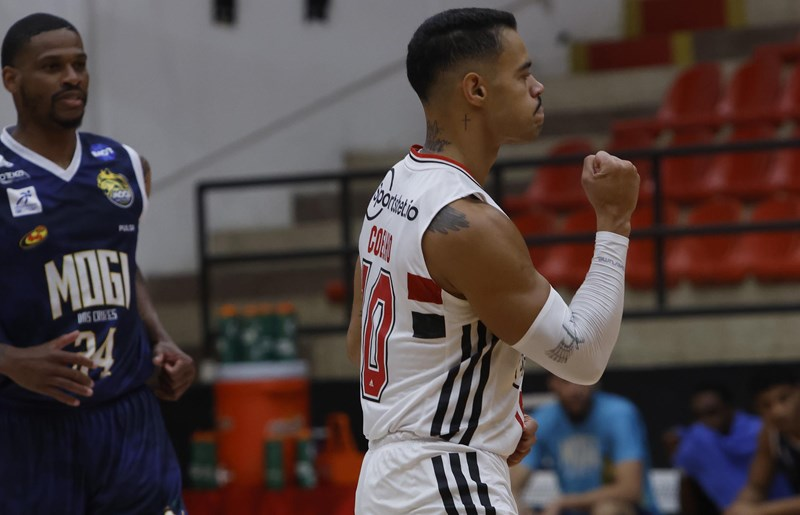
(346, 251)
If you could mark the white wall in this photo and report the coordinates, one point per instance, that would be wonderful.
(169, 82)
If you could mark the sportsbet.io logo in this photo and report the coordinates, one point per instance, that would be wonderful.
(394, 204)
(116, 187)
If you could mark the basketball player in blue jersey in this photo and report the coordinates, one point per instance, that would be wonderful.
(79, 337)
(448, 304)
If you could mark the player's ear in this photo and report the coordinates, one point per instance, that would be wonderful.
(10, 76)
(474, 89)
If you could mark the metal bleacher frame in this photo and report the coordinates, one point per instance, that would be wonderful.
(496, 186)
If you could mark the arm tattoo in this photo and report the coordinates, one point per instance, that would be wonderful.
(565, 349)
(449, 219)
(434, 142)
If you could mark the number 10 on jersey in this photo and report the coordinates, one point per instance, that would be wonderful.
(377, 324)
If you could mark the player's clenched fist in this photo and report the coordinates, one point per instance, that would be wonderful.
(612, 186)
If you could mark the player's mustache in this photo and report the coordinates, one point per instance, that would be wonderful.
(541, 100)
(69, 89)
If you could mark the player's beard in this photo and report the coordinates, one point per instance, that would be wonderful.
(68, 123)
(32, 105)
(72, 123)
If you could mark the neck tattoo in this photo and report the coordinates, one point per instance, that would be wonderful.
(434, 141)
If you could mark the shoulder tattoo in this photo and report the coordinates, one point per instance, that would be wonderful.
(448, 219)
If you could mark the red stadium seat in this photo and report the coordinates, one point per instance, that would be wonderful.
(708, 259)
(789, 106)
(772, 255)
(566, 264)
(743, 174)
(555, 186)
(685, 179)
(668, 16)
(693, 96)
(784, 171)
(640, 271)
(753, 92)
(691, 101)
(536, 222)
(785, 52)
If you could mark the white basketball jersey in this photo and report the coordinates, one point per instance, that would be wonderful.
(428, 365)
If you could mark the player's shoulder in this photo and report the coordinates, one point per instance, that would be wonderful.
(547, 415)
(613, 404)
(695, 434)
(92, 138)
(693, 440)
(105, 150)
(482, 219)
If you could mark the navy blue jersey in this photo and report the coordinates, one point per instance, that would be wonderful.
(68, 246)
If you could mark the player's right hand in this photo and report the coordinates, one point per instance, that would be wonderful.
(612, 186)
(48, 369)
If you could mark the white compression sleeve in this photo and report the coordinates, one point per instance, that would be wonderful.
(575, 342)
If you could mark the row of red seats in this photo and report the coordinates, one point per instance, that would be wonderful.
(689, 179)
(699, 97)
(698, 103)
(701, 259)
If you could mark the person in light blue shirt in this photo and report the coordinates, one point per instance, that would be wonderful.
(596, 443)
(715, 452)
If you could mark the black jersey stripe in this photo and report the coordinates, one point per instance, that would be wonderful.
(427, 326)
(461, 483)
(477, 401)
(483, 490)
(466, 380)
(444, 488)
(449, 383)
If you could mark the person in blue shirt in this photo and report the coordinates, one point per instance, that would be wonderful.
(79, 337)
(776, 393)
(596, 443)
(714, 453)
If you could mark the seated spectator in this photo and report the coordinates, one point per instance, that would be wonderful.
(597, 444)
(777, 400)
(714, 453)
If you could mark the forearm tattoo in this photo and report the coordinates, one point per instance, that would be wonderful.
(566, 347)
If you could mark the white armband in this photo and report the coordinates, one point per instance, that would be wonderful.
(575, 342)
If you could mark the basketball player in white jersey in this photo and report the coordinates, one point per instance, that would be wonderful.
(448, 304)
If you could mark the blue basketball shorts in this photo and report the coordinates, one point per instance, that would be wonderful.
(115, 458)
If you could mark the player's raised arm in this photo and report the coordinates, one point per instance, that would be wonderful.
(474, 251)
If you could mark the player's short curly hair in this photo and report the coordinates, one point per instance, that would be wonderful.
(22, 31)
(451, 37)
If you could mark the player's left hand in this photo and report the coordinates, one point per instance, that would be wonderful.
(554, 508)
(176, 370)
(742, 508)
(526, 441)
